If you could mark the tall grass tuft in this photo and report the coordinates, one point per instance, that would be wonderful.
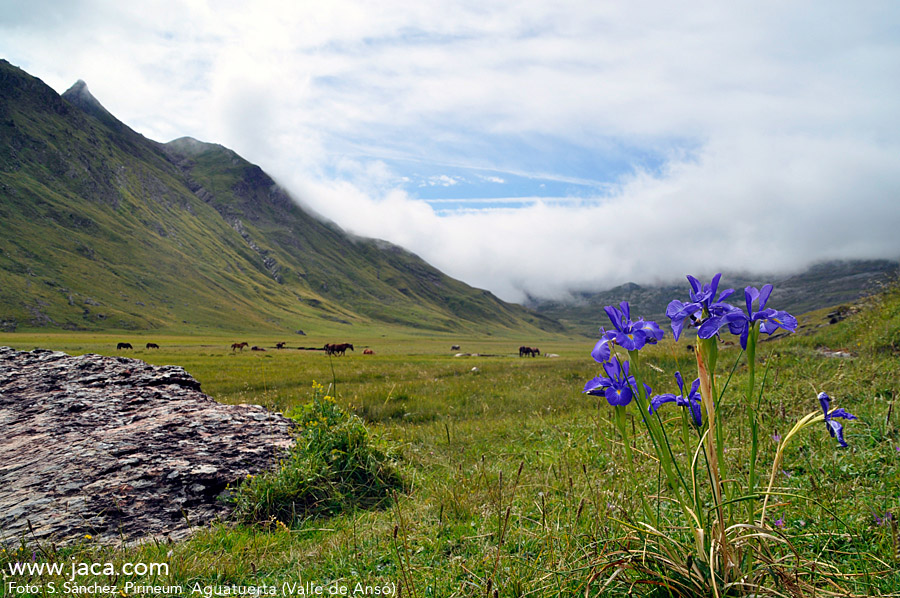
(333, 466)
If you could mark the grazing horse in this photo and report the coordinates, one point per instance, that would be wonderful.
(121, 346)
(454, 348)
(530, 351)
(239, 346)
(152, 346)
(368, 352)
(338, 349)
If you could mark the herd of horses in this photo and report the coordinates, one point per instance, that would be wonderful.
(339, 349)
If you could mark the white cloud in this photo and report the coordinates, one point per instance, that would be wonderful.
(442, 180)
(755, 135)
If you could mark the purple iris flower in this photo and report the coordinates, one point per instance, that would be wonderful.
(616, 386)
(740, 323)
(835, 428)
(631, 335)
(691, 399)
(703, 302)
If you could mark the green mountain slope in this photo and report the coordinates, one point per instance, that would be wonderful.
(101, 228)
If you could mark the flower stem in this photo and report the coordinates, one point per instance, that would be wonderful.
(752, 420)
(623, 432)
(706, 353)
(657, 433)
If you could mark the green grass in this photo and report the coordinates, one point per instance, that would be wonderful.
(516, 485)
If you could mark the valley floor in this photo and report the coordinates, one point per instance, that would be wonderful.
(517, 482)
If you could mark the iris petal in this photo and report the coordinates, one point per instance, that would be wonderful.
(750, 295)
(714, 284)
(618, 397)
(697, 413)
(593, 384)
(602, 350)
(764, 293)
(837, 431)
(680, 381)
(711, 326)
(842, 413)
(660, 400)
(825, 402)
(615, 316)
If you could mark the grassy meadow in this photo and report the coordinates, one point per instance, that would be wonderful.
(516, 482)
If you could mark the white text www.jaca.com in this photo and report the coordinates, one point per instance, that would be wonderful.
(74, 569)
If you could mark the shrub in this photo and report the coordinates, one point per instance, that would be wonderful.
(333, 466)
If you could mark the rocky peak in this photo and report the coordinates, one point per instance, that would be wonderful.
(79, 95)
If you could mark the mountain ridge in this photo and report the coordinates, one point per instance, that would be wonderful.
(824, 284)
(104, 229)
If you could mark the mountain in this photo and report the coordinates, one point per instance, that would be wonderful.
(101, 228)
(823, 285)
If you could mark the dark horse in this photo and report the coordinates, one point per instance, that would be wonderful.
(152, 346)
(337, 349)
(123, 346)
(530, 351)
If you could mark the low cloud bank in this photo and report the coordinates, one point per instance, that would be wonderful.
(757, 204)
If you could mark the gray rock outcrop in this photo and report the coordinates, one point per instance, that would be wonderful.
(119, 449)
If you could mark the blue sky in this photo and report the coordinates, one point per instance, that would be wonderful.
(529, 147)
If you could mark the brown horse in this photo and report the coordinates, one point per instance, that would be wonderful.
(239, 346)
(280, 345)
(337, 349)
(368, 352)
(121, 346)
(530, 351)
(152, 346)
